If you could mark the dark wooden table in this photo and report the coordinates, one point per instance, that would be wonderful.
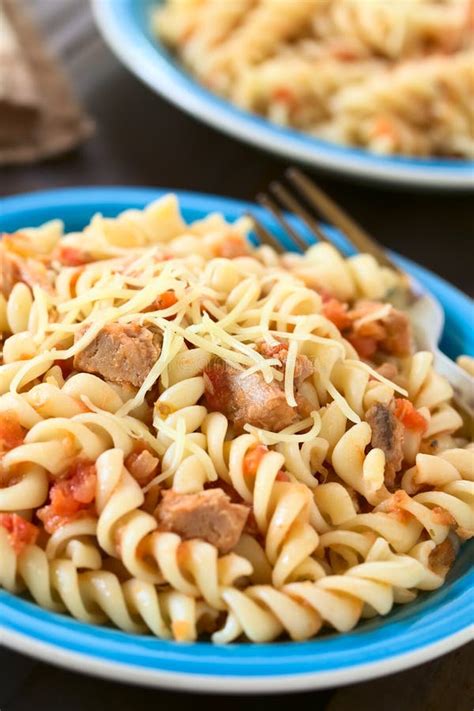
(142, 140)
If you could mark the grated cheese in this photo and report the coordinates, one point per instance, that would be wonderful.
(256, 368)
(290, 433)
(375, 374)
(341, 402)
(172, 344)
(375, 315)
(40, 306)
(183, 444)
(223, 337)
(191, 335)
(290, 374)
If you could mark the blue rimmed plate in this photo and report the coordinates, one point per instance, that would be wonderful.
(126, 28)
(409, 635)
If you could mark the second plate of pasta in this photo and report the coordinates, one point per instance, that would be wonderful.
(378, 93)
(221, 468)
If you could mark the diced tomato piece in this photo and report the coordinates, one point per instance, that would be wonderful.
(232, 246)
(83, 483)
(337, 312)
(409, 415)
(21, 533)
(70, 498)
(284, 95)
(371, 329)
(344, 53)
(79, 484)
(165, 300)
(52, 522)
(364, 345)
(383, 126)
(12, 433)
(282, 476)
(71, 256)
(253, 458)
(62, 501)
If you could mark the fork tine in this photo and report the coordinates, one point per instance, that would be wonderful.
(288, 201)
(267, 202)
(264, 235)
(338, 217)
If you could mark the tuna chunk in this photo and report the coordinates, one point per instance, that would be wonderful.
(303, 369)
(398, 336)
(387, 434)
(388, 370)
(120, 353)
(247, 400)
(209, 515)
(441, 558)
(391, 333)
(250, 400)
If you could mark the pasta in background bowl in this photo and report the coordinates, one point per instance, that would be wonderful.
(393, 77)
(293, 545)
(127, 26)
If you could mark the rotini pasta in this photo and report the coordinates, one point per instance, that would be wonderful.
(202, 438)
(393, 77)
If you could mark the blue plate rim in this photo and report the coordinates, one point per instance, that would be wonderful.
(121, 24)
(124, 673)
(240, 668)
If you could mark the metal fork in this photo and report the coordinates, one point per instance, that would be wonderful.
(425, 311)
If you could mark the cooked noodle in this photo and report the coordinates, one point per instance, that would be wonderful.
(392, 76)
(201, 437)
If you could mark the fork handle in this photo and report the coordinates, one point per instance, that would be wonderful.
(461, 382)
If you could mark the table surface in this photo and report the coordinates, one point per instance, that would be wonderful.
(143, 140)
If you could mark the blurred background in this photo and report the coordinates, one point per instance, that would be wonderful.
(140, 139)
(137, 138)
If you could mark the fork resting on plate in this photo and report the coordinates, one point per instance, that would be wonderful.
(425, 312)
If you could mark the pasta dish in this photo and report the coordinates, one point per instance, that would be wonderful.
(199, 437)
(391, 76)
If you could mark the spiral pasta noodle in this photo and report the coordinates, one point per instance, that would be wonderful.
(203, 438)
(191, 567)
(394, 78)
(300, 609)
(96, 596)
